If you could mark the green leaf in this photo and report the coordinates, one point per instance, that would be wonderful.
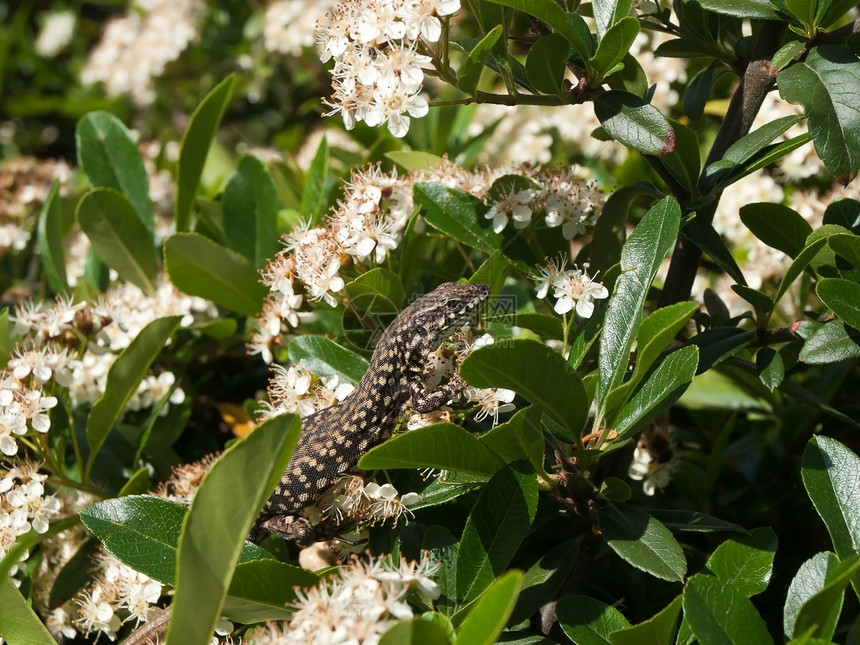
(543, 579)
(441, 445)
(231, 494)
(608, 12)
(777, 226)
(416, 631)
(19, 624)
(118, 236)
(665, 386)
(110, 157)
(684, 161)
(719, 614)
(200, 267)
(847, 246)
(750, 144)
(324, 357)
(634, 122)
(642, 541)
(250, 206)
(49, 233)
(825, 84)
(470, 73)
(587, 621)
(318, 183)
(787, 53)
(551, 13)
(798, 265)
(263, 589)
(377, 291)
(194, 147)
(830, 474)
(123, 377)
(819, 614)
(703, 235)
(761, 303)
(536, 372)
(656, 332)
(519, 438)
(745, 561)
(488, 615)
(770, 368)
(719, 343)
(615, 45)
(499, 521)
(831, 343)
(842, 297)
(694, 521)
(811, 577)
(755, 9)
(547, 62)
(657, 630)
(641, 256)
(454, 213)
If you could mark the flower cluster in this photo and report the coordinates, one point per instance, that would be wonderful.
(357, 605)
(572, 288)
(288, 25)
(24, 504)
(378, 71)
(370, 217)
(295, 389)
(137, 47)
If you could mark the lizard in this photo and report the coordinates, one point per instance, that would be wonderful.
(334, 439)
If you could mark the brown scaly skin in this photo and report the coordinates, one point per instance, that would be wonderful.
(333, 440)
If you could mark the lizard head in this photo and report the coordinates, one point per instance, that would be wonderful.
(444, 309)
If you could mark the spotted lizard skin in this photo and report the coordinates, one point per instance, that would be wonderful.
(332, 440)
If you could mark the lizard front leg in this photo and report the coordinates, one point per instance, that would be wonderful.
(424, 401)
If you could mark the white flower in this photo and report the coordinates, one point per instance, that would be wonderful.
(575, 289)
(549, 275)
(513, 204)
(492, 401)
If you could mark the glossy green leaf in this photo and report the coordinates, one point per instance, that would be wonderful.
(842, 297)
(777, 226)
(194, 147)
(719, 614)
(745, 561)
(656, 332)
(847, 246)
(324, 357)
(377, 291)
(634, 122)
(500, 519)
(488, 615)
(844, 212)
(118, 236)
(470, 72)
(786, 54)
(831, 343)
(318, 184)
(642, 541)
(110, 157)
(811, 578)
(123, 377)
(547, 62)
(819, 614)
(142, 531)
(825, 84)
(19, 624)
(454, 213)
(609, 12)
(703, 235)
(665, 386)
(770, 368)
(719, 343)
(416, 631)
(441, 445)
(615, 45)
(263, 589)
(519, 438)
(587, 621)
(641, 256)
(657, 630)
(750, 144)
(798, 265)
(544, 578)
(755, 9)
(830, 474)
(250, 206)
(49, 235)
(552, 14)
(630, 79)
(228, 500)
(537, 373)
(200, 267)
